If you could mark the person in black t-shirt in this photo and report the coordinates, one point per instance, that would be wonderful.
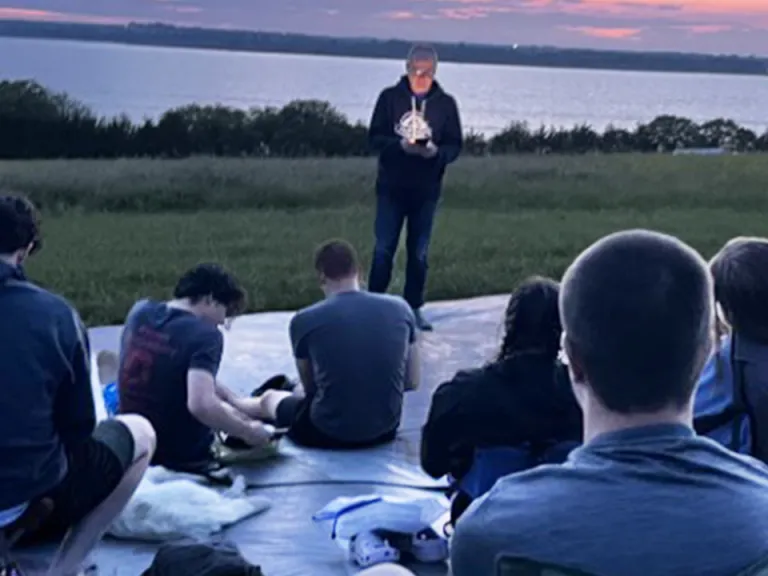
(169, 359)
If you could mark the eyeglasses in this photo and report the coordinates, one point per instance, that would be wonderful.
(421, 72)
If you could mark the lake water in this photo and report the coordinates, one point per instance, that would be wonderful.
(145, 81)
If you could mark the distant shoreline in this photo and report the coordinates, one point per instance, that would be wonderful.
(162, 35)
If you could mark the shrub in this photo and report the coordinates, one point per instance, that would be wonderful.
(37, 123)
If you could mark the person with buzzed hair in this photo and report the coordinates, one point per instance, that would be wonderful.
(356, 354)
(416, 131)
(644, 494)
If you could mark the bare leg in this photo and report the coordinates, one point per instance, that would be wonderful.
(81, 539)
(264, 407)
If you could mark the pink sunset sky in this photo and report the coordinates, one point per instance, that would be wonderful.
(719, 26)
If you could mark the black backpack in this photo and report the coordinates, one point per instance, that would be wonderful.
(192, 558)
(750, 401)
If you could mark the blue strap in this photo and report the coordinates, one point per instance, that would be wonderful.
(346, 509)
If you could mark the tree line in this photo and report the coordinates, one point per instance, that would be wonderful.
(157, 34)
(38, 123)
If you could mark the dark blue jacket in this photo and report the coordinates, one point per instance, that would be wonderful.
(46, 401)
(401, 174)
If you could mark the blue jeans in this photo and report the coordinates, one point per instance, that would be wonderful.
(419, 216)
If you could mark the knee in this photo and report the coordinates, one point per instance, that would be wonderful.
(270, 399)
(418, 253)
(268, 396)
(144, 436)
(384, 251)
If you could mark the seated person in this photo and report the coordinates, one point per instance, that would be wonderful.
(644, 495)
(170, 355)
(356, 354)
(51, 447)
(733, 388)
(522, 399)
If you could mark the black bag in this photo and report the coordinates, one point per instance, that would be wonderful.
(750, 400)
(190, 558)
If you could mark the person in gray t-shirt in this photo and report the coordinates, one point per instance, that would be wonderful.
(356, 354)
(644, 496)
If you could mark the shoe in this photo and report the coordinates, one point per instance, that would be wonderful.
(10, 569)
(368, 549)
(421, 322)
(426, 546)
(279, 382)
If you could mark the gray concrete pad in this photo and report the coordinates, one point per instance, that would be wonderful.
(284, 541)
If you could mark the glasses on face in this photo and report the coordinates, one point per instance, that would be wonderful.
(421, 71)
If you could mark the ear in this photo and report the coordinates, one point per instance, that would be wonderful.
(25, 253)
(575, 366)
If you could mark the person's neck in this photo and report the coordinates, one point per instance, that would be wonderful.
(182, 304)
(598, 420)
(10, 259)
(333, 287)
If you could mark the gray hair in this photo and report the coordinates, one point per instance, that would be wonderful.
(422, 52)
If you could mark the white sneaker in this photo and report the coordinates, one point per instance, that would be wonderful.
(368, 549)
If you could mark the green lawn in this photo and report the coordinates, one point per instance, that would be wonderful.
(119, 230)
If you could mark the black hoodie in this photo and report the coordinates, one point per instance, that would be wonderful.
(46, 403)
(405, 175)
(525, 398)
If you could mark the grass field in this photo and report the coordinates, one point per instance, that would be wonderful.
(119, 230)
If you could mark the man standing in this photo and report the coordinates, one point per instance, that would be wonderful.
(416, 131)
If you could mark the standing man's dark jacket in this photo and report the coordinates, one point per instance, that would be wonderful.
(401, 174)
(521, 399)
(46, 401)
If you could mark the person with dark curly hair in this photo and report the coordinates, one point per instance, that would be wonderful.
(169, 358)
(522, 399)
(57, 465)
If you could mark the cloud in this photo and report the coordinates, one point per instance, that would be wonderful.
(11, 13)
(606, 33)
(400, 15)
(185, 9)
(704, 28)
(738, 9)
(681, 25)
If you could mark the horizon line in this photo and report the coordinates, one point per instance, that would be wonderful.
(145, 23)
